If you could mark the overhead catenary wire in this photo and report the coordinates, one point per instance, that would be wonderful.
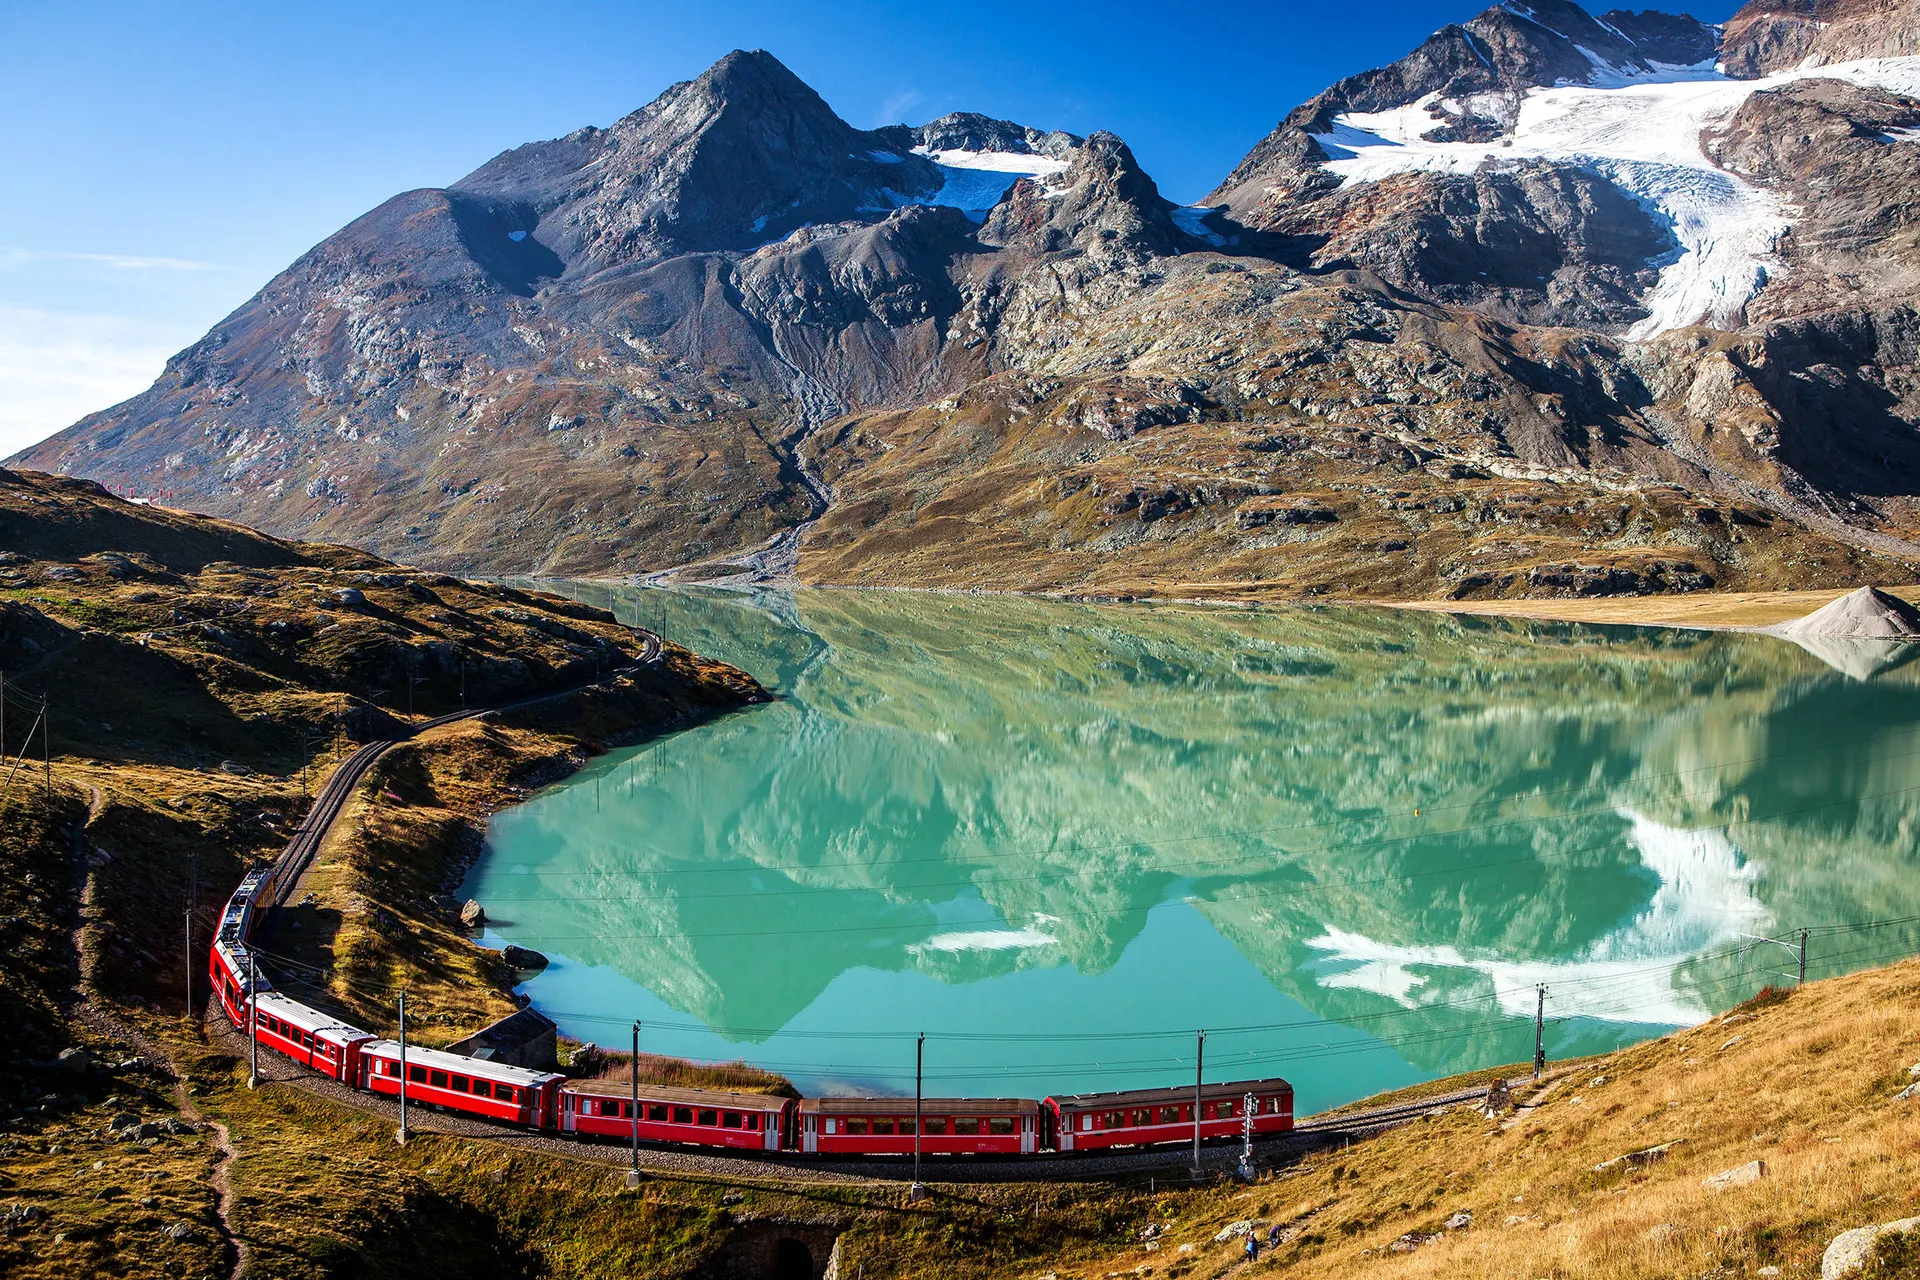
(1420, 812)
(1293, 887)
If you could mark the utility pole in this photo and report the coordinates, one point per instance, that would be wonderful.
(917, 1191)
(253, 1023)
(1199, 1072)
(193, 879)
(463, 680)
(633, 1174)
(46, 748)
(1539, 1030)
(401, 1137)
(1803, 958)
(1248, 1106)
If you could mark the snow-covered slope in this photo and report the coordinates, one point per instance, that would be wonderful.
(1643, 132)
(977, 180)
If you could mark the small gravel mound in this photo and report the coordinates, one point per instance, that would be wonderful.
(1866, 614)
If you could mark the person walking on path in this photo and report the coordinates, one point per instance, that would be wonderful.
(1253, 1245)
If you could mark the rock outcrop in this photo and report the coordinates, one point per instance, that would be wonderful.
(1767, 36)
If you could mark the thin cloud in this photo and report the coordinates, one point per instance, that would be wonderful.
(57, 368)
(120, 261)
(893, 109)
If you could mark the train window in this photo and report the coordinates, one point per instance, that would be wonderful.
(306, 1039)
(1086, 1124)
(883, 1127)
(906, 1127)
(966, 1124)
(458, 1084)
(709, 1117)
(683, 1115)
(482, 1089)
(830, 1124)
(417, 1074)
(729, 1119)
(936, 1125)
(1226, 1109)
(655, 1111)
(437, 1079)
(1169, 1115)
(1116, 1120)
(1000, 1124)
(856, 1126)
(751, 1120)
(1142, 1116)
(504, 1093)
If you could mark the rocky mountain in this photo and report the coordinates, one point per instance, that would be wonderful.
(1771, 36)
(1552, 304)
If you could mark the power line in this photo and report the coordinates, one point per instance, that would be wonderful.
(1111, 912)
(1232, 833)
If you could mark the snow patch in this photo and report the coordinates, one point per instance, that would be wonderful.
(976, 181)
(984, 940)
(885, 157)
(1192, 220)
(1705, 901)
(1642, 131)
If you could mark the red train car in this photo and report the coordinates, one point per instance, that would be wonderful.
(953, 1126)
(312, 1039)
(453, 1083)
(705, 1117)
(1088, 1121)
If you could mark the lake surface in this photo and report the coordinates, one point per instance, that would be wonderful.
(1348, 843)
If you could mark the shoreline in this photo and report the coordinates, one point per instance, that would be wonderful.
(1694, 611)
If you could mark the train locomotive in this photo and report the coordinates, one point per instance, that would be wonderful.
(674, 1116)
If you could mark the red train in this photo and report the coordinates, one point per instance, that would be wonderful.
(715, 1117)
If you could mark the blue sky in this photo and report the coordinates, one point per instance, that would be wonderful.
(162, 161)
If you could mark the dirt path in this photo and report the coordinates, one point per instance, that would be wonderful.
(88, 1008)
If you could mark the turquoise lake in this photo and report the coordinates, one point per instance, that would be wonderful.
(1349, 843)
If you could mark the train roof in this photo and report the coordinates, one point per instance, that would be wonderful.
(479, 1068)
(1152, 1097)
(732, 1099)
(904, 1106)
(308, 1019)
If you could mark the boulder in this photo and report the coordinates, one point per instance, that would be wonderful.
(181, 1233)
(473, 915)
(1848, 1253)
(1459, 1221)
(522, 958)
(1637, 1159)
(1909, 1093)
(1752, 1171)
(75, 1060)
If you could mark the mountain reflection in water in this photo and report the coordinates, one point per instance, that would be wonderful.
(1349, 842)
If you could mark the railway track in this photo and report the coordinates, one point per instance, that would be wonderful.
(345, 778)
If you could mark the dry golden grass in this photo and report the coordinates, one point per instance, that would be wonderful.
(1713, 609)
(1806, 1084)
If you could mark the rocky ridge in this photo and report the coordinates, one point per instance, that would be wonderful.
(731, 328)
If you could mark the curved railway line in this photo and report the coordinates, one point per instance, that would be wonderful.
(1218, 1155)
